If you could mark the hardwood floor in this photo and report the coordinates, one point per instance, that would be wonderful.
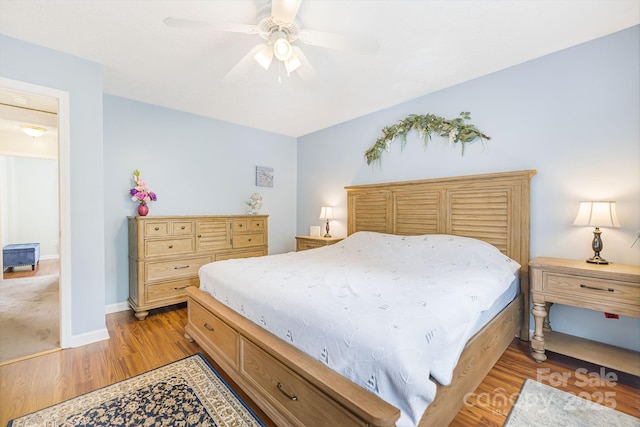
(43, 268)
(138, 346)
(492, 401)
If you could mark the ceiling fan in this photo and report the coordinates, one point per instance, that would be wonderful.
(279, 27)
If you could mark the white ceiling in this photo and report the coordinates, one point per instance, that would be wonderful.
(425, 46)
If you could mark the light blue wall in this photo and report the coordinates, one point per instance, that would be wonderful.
(83, 81)
(574, 116)
(197, 166)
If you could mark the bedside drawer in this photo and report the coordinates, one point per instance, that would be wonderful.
(248, 240)
(304, 245)
(155, 271)
(590, 287)
(168, 246)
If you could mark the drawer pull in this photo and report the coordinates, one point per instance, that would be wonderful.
(292, 397)
(157, 228)
(596, 288)
(180, 288)
(249, 239)
(182, 228)
(170, 246)
(207, 327)
(199, 236)
(181, 267)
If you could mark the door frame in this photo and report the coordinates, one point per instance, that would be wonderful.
(64, 196)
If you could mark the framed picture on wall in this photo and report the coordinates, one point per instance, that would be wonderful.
(264, 176)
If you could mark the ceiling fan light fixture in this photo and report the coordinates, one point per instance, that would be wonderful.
(292, 64)
(264, 56)
(281, 47)
(33, 131)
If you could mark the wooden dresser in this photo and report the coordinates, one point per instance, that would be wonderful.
(166, 252)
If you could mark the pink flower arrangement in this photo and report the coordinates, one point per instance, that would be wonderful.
(141, 192)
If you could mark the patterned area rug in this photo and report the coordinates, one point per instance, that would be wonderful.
(541, 405)
(188, 392)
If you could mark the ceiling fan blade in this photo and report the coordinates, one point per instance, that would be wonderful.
(306, 71)
(285, 11)
(360, 45)
(243, 66)
(231, 27)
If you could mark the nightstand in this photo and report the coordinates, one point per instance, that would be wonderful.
(612, 288)
(311, 242)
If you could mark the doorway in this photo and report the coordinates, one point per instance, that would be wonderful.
(12, 94)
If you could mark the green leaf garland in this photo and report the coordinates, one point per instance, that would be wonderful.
(457, 130)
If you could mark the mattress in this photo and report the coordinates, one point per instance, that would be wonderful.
(391, 313)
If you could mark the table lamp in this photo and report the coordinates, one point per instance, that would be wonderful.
(597, 214)
(326, 213)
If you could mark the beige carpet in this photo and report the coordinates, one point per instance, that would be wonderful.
(29, 316)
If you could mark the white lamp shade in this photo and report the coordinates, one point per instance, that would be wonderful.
(264, 56)
(292, 64)
(597, 214)
(326, 212)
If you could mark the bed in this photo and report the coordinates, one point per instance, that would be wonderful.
(296, 389)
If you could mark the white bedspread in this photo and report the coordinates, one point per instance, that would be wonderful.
(385, 311)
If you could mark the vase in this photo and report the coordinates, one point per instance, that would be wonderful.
(143, 209)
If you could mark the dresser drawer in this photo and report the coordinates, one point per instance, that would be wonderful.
(167, 270)
(182, 228)
(591, 287)
(297, 398)
(169, 292)
(240, 225)
(248, 240)
(243, 254)
(156, 228)
(219, 335)
(168, 246)
(257, 224)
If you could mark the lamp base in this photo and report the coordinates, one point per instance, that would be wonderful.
(597, 246)
(597, 260)
(327, 228)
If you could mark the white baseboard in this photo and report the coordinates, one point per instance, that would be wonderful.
(114, 308)
(100, 334)
(89, 337)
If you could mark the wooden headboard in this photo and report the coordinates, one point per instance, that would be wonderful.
(490, 207)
